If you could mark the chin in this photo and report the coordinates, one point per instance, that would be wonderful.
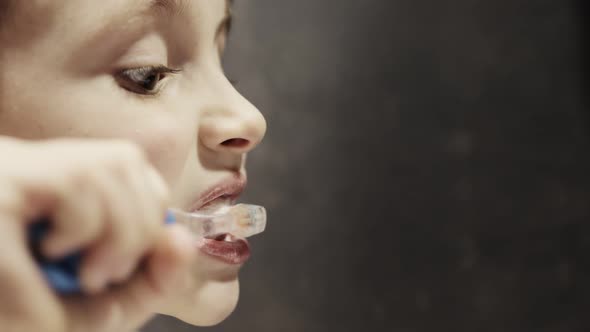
(211, 304)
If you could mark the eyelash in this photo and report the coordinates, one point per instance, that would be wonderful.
(144, 80)
(132, 84)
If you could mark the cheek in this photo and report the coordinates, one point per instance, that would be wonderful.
(168, 144)
(77, 110)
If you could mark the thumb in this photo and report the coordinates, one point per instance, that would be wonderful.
(130, 305)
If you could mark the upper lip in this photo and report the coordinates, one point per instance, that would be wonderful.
(231, 187)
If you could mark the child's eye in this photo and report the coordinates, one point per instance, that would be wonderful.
(144, 80)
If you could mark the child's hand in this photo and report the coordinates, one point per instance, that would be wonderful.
(102, 196)
(129, 305)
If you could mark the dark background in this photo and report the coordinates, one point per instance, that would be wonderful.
(425, 168)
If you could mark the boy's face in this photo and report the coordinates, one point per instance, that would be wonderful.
(102, 69)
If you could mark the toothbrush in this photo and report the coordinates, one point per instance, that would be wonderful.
(242, 220)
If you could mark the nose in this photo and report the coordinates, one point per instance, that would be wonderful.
(232, 124)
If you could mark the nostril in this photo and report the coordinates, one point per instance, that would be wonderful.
(235, 143)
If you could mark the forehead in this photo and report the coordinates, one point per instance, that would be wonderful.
(35, 18)
(87, 9)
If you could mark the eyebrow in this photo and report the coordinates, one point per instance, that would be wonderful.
(172, 8)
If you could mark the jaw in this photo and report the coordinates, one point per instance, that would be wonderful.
(207, 305)
(207, 295)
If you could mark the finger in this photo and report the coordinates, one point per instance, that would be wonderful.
(129, 305)
(77, 222)
(172, 258)
(27, 304)
(103, 259)
(158, 187)
(148, 218)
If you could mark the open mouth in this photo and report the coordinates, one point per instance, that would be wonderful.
(225, 237)
(226, 248)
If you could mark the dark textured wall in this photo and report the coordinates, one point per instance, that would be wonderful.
(425, 169)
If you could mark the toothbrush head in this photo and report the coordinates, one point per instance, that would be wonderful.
(249, 219)
(242, 220)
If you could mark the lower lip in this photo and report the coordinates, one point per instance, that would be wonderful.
(235, 252)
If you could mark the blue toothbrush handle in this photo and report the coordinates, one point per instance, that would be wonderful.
(61, 274)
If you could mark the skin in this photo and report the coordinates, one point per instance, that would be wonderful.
(70, 70)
